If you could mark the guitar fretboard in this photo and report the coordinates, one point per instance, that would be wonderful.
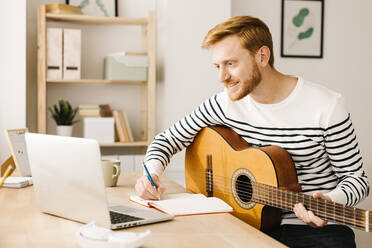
(327, 210)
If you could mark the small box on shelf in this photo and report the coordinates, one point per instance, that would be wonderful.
(99, 128)
(123, 66)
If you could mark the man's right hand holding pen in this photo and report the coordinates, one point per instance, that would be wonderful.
(146, 190)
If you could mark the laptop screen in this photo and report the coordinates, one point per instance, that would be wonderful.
(67, 176)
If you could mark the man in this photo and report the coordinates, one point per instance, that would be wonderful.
(266, 107)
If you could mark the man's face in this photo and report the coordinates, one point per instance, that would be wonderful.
(237, 68)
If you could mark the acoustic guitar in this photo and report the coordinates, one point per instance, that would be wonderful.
(256, 181)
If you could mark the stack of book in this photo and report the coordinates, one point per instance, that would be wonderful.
(59, 8)
(102, 110)
(122, 126)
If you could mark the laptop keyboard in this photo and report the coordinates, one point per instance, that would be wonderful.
(122, 218)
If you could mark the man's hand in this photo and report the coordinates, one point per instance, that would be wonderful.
(308, 216)
(146, 191)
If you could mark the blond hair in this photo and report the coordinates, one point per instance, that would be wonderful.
(252, 32)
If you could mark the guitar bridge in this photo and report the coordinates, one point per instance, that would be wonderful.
(209, 176)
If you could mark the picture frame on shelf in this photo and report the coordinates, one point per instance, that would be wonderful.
(96, 7)
(302, 28)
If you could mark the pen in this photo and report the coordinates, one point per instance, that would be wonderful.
(150, 178)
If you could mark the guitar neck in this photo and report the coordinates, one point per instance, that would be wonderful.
(327, 210)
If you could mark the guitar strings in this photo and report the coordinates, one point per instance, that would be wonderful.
(344, 220)
(247, 185)
(351, 220)
(246, 189)
(279, 201)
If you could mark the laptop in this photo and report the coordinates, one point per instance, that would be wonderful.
(68, 182)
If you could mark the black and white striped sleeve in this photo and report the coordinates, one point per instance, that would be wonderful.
(345, 156)
(181, 134)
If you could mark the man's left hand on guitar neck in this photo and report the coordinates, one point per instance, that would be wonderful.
(309, 217)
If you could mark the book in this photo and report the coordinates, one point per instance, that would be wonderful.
(17, 182)
(186, 204)
(127, 127)
(120, 126)
(89, 110)
(59, 8)
(118, 129)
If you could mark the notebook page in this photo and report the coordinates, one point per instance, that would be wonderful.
(192, 205)
(148, 203)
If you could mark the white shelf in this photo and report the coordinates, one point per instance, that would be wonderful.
(93, 81)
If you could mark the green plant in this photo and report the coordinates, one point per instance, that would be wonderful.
(63, 114)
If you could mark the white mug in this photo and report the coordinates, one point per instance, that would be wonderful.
(111, 172)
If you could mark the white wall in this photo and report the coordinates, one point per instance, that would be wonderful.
(344, 68)
(187, 75)
(12, 70)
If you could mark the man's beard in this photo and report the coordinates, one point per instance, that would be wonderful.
(247, 86)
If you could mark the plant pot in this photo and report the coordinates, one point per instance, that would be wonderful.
(64, 130)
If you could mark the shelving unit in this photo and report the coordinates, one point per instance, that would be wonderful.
(148, 47)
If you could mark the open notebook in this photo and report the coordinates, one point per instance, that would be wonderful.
(185, 204)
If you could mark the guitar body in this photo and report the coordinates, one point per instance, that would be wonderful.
(232, 168)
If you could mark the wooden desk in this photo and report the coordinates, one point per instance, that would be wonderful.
(22, 224)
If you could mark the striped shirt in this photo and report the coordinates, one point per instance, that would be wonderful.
(311, 124)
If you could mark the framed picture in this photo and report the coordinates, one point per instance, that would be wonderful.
(17, 145)
(302, 28)
(96, 7)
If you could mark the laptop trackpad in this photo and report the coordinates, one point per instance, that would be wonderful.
(122, 209)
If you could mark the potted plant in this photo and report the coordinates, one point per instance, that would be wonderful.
(64, 116)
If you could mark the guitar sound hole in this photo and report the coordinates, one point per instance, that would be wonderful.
(244, 188)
